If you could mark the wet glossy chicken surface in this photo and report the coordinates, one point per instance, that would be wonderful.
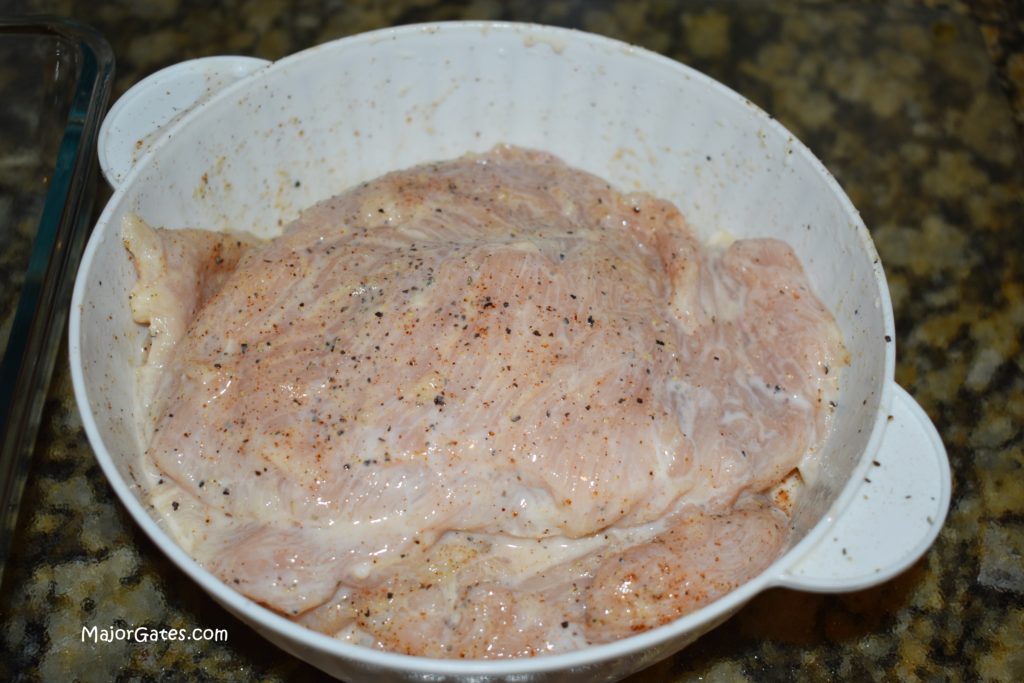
(488, 407)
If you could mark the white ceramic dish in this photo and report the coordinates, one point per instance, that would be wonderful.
(256, 150)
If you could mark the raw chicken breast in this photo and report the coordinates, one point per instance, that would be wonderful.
(487, 407)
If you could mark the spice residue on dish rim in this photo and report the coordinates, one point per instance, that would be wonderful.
(488, 407)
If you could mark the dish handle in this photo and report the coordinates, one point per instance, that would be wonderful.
(895, 516)
(148, 108)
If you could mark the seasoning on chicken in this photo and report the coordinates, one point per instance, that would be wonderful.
(488, 407)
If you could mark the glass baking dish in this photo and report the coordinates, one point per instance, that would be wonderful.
(55, 79)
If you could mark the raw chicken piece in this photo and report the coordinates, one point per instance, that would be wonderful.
(178, 272)
(698, 559)
(426, 415)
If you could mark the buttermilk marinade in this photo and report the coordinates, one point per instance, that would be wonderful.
(488, 407)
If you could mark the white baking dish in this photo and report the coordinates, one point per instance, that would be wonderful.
(266, 140)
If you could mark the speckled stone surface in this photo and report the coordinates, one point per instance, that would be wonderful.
(917, 108)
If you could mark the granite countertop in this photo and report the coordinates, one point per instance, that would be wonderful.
(916, 107)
